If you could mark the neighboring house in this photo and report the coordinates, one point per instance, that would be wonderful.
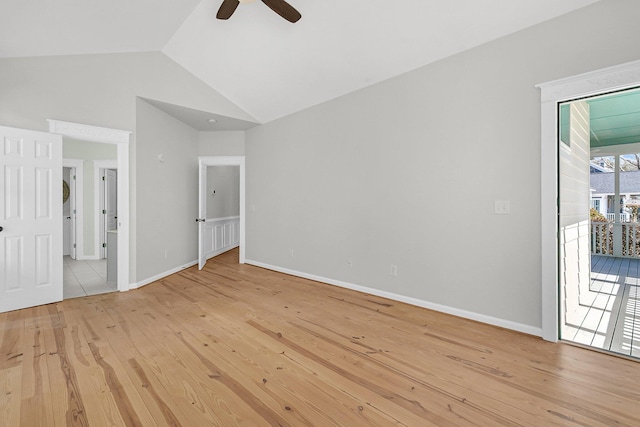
(602, 184)
(598, 168)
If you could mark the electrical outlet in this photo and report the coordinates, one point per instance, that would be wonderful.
(166, 254)
(394, 270)
(291, 252)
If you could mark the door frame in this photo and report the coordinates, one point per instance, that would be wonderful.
(620, 77)
(204, 162)
(121, 138)
(98, 202)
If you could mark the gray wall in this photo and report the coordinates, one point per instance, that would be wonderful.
(101, 90)
(225, 181)
(167, 191)
(406, 172)
(230, 143)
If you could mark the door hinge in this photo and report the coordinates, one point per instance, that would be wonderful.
(104, 245)
(74, 246)
(74, 177)
(104, 211)
(103, 178)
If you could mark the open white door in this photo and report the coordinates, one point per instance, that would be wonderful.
(31, 218)
(110, 201)
(202, 215)
(72, 203)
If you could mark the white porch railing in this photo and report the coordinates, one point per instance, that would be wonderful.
(603, 243)
(624, 217)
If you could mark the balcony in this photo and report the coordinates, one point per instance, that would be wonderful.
(624, 217)
(608, 316)
(615, 239)
(608, 310)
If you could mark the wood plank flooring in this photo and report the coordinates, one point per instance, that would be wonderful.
(239, 345)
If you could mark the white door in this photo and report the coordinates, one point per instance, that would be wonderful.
(66, 213)
(72, 207)
(31, 218)
(202, 215)
(110, 202)
(108, 206)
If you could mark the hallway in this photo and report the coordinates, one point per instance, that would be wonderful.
(82, 278)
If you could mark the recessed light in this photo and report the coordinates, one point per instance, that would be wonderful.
(212, 121)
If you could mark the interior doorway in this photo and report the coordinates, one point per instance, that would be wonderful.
(598, 221)
(221, 225)
(91, 192)
(120, 139)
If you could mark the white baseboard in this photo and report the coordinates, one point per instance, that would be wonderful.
(507, 324)
(141, 283)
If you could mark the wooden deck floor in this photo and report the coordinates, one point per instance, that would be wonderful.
(239, 345)
(610, 312)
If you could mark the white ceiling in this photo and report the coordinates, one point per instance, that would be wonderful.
(200, 120)
(266, 65)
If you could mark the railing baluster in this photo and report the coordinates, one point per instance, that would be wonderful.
(602, 239)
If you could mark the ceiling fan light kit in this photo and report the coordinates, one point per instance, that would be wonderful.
(280, 7)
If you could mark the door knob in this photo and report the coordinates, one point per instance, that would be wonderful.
(1, 228)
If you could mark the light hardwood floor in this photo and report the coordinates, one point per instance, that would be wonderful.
(239, 345)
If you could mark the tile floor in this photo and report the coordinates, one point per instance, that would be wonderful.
(82, 278)
(609, 315)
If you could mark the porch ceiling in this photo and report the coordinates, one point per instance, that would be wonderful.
(615, 119)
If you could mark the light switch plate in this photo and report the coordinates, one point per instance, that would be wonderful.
(502, 207)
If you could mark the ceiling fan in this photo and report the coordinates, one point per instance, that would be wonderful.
(280, 7)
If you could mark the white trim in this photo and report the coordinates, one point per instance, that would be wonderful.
(593, 83)
(226, 218)
(98, 201)
(408, 300)
(162, 275)
(232, 161)
(88, 132)
(121, 138)
(78, 165)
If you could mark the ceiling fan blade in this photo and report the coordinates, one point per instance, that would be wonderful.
(283, 9)
(227, 8)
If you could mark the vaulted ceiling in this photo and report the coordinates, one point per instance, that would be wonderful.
(264, 64)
